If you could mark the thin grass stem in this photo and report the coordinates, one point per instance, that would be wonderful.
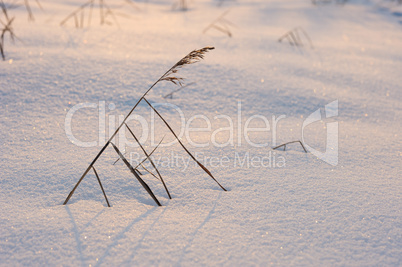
(188, 152)
(147, 188)
(103, 191)
(150, 160)
(284, 145)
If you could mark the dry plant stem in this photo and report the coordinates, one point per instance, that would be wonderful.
(224, 28)
(182, 5)
(153, 150)
(101, 12)
(294, 38)
(133, 5)
(82, 19)
(79, 22)
(291, 40)
(91, 5)
(4, 10)
(102, 150)
(104, 11)
(109, 11)
(2, 52)
(192, 57)
(284, 145)
(29, 10)
(107, 143)
(148, 171)
(288, 37)
(74, 14)
(147, 188)
(221, 2)
(103, 191)
(30, 14)
(297, 37)
(76, 20)
(188, 152)
(150, 160)
(39, 5)
(217, 19)
(307, 36)
(140, 164)
(7, 28)
(1, 48)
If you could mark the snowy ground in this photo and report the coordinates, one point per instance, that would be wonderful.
(304, 213)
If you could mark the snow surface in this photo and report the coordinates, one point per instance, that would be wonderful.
(305, 213)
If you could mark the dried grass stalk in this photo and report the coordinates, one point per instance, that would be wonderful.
(150, 160)
(145, 158)
(28, 7)
(188, 152)
(131, 3)
(148, 171)
(147, 188)
(103, 191)
(221, 24)
(294, 39)
(284, 145)
(104, 12)
(181, 5)
(6, 28)
(193, 57)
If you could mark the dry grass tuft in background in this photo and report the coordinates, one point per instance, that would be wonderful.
(6, 28)
(284, 145)
(294, 37)
(82, 16)
(221, 24)
(180, 5)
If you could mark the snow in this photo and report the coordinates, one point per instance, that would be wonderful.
(306, 212)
